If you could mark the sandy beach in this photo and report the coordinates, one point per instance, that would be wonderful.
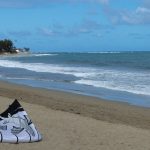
(74, 122)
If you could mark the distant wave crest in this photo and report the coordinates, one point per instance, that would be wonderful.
(38, 55)
(105, 52)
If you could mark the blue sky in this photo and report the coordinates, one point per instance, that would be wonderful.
(77, 25)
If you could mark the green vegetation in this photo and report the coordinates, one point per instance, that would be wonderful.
(7, 46)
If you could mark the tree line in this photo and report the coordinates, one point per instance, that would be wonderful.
(7, 46)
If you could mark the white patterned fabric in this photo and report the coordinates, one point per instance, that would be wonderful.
(16, 126)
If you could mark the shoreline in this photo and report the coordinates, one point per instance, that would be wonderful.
(122, 84)
(99, 109)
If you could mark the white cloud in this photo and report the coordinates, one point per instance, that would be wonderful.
(47, 32)
(90, 27)
(138, 16)
(142, 10)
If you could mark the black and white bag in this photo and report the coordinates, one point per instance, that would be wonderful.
(16, 126)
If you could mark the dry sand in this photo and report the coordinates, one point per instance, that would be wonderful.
(93, 124)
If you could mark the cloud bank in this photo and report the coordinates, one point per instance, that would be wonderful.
(90, 27)
(35, 3)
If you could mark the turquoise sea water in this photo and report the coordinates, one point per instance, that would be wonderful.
(122, 76)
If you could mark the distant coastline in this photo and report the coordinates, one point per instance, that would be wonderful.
(7, 47)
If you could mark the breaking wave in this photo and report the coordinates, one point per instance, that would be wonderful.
(121, 80)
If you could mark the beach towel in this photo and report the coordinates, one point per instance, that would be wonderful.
(16, 126)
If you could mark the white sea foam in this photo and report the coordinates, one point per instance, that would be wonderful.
(50, 68)
(105, 52)
(144, 90)
(38, 55)
(122, 80)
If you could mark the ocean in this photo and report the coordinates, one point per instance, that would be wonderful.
(119, 76)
